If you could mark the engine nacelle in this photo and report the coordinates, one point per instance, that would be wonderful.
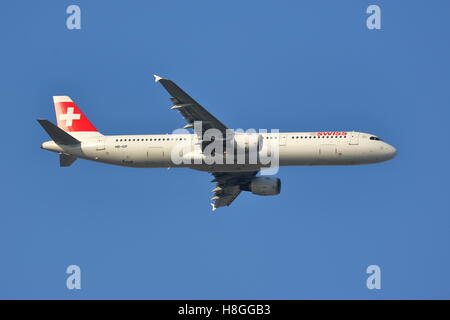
(265, 186)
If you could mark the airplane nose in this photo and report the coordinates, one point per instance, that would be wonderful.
(391, 152)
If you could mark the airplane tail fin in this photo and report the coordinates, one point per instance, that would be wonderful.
(73, 126)
(71, 119)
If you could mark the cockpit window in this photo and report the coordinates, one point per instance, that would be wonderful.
(375, 138)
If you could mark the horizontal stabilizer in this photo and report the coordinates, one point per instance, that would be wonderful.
(58, 135)
(66, 160)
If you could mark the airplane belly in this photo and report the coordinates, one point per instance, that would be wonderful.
(157, 157)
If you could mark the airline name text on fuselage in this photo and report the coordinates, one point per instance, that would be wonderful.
(332, 133)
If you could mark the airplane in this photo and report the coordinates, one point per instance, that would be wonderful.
(75, 137)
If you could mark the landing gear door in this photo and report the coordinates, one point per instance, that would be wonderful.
(354, 138)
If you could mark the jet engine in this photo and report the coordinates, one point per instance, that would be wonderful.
(265, 186)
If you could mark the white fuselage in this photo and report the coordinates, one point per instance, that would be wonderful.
(294, 148)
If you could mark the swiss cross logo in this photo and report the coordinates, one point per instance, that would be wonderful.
(69, 116)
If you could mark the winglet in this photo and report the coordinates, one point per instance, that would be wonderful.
(213, 207)
(157, 78)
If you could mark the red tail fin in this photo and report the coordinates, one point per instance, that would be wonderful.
(69, 116)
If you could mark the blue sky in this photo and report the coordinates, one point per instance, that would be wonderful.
(290, 65)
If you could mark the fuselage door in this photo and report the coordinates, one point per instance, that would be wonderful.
(354, 138)
(282, 138)
(100, 144)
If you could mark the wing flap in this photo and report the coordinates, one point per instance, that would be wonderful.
(228, 186)
(225, 199)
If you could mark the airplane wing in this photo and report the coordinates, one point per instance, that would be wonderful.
(228, 186)
(190, 109)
